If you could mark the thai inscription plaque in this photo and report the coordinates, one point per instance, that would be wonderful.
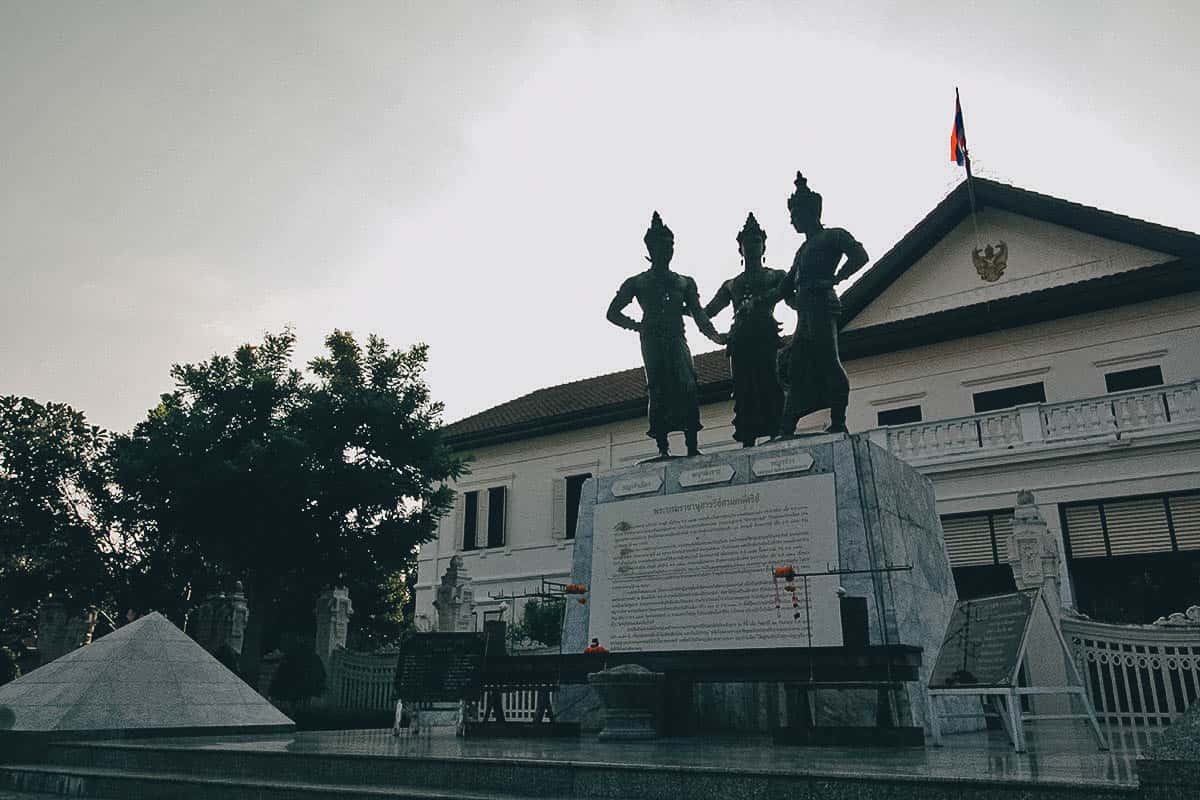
(983, 642)
(693, 571)
(440, 667)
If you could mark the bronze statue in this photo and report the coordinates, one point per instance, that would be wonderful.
(753, 338)
(664, 297)
(815, 376)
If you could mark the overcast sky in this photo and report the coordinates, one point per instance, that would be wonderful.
(178, 177)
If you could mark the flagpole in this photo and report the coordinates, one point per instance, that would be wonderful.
(970, 177)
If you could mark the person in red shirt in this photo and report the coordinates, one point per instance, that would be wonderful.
(595, 647)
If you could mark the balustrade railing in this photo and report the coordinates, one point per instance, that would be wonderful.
(1111, 415)
(1143, 675)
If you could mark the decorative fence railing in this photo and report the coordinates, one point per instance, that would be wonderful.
(366, 682)
(1105, 416)
(362, 681)
(1136, 675)
(518, 704)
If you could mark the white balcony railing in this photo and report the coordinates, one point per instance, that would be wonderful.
(1109, 416)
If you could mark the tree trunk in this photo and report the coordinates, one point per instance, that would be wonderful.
(258, 603)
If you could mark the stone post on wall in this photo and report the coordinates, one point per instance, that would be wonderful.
(60, 631)
(1033, 551)
(1034, 558)
(454, 599)
(333, 623)
(220, 620)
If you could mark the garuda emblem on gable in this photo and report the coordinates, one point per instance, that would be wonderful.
(991, 261)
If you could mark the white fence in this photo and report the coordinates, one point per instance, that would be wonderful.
(1136, 675)
(1161, 408)
(362, 681)
(366, 682)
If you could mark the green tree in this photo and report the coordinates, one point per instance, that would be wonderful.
(10, 670)
(300, 677)
(541, 621)
(250, 470)
(51, 470)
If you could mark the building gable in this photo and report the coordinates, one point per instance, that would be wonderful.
(1037, 255)
(1051, 243)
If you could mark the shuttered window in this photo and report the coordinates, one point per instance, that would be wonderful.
(1185, 519)
(1137, 526)
(974, 540)
(1084, 531)
(1132, 526)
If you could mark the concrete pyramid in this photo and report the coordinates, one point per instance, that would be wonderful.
(146, 676)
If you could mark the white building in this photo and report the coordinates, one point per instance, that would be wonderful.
(1074, 373)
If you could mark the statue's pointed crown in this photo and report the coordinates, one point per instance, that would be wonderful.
(804, 198)
(751, 229)
(657, 232)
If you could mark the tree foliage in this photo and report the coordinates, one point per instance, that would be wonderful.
(541, 621)
(300, 676)
(51, 470)
(10, 670)
(250, 470)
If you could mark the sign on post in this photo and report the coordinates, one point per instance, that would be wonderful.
(440, 667)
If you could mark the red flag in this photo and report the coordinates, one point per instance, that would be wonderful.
(958, 136)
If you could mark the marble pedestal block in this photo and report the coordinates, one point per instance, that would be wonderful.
(884, 516)
(630, 696)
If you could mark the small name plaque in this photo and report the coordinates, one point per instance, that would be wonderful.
(638, 484)
(781, 465)
(718, 473)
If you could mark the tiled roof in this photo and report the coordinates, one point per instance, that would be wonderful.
(610, 393)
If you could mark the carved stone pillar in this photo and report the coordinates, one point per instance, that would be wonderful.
(454, 599)
(1034, 559)
(60, 631)
(1033, 551)
(220, 620)
(333, 622)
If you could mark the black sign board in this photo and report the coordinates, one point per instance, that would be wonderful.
(440, 667)
(983, 642)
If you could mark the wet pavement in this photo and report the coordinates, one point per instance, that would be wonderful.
(1061, 753)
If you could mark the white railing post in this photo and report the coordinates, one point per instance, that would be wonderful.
(1031, 424)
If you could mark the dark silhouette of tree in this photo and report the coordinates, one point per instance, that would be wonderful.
(51, 469)
(249, 470)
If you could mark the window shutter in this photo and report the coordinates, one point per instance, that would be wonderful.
(969, 540)
(1137, 526)
(1185, 516)
(481, 519)
(1084, 532)
(497, 528)
(558, 509)
(458, 519)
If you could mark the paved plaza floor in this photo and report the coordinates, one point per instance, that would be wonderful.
(1060, 753)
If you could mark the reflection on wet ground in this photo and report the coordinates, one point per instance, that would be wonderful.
(1058, 753)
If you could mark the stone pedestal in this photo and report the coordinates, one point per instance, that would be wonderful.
(884, 516)
(631, 696)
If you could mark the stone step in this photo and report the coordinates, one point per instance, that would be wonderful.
(264, 767)
(43, 782)
(483, 775)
